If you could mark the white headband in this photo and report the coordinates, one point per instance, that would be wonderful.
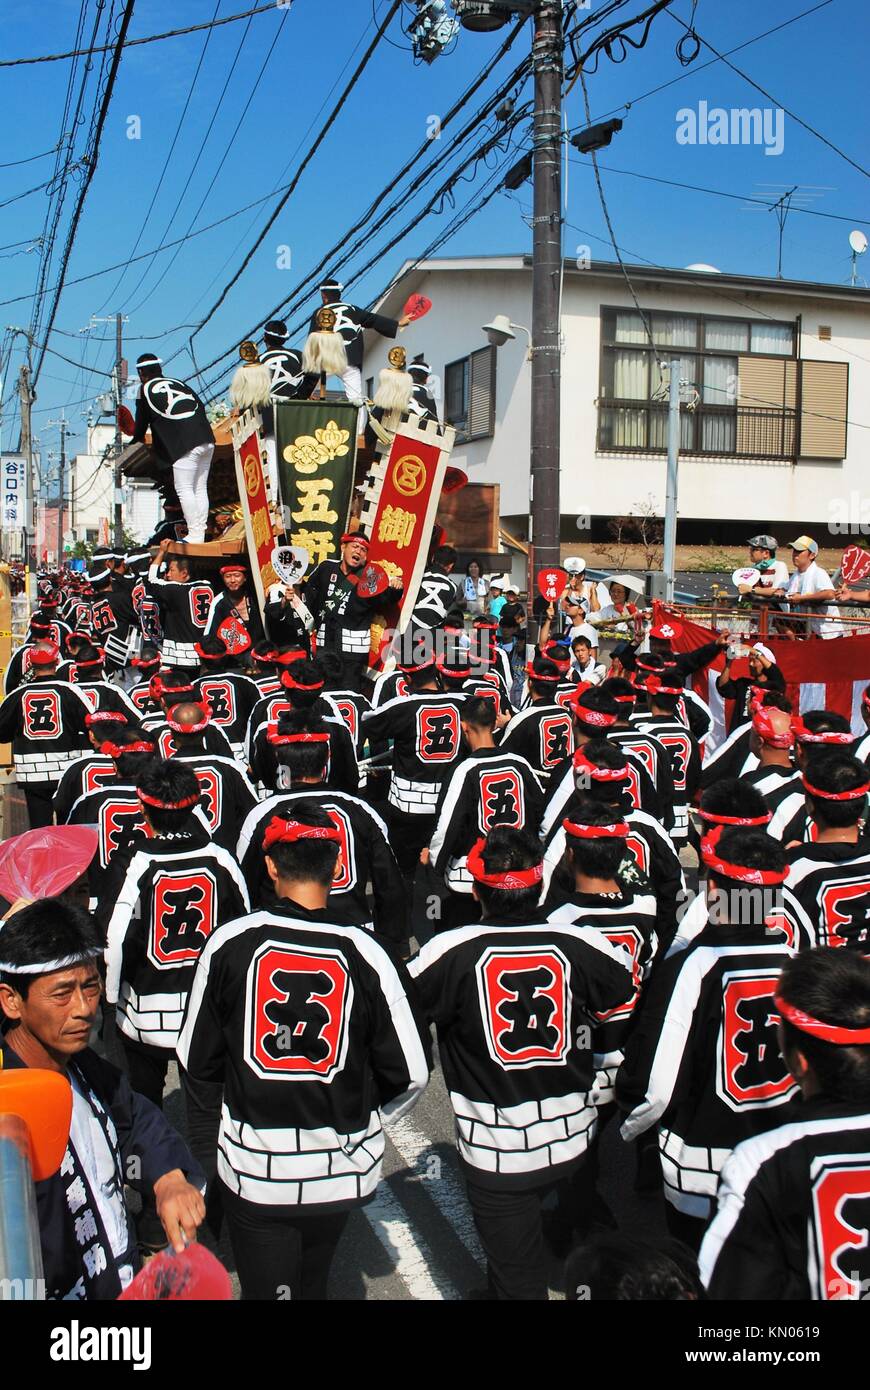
(48, 966)
(765, 652)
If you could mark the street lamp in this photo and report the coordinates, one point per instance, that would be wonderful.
(501, 330)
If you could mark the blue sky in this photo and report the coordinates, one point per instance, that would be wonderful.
(815, 66)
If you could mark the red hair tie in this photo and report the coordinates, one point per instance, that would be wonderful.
(506, 879)
(711, 819)
(277, 740)
(805, 735)
(599, 774)
(828, 1032)
(762, 723)
(109, 716)
(740, 872)
(654, 687)
(854, 794)
(197, 728)
(287, 832)
(617, 830)
(183, 805)
(289, 683)
(595, 718)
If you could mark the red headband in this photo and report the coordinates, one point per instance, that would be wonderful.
(276, 739)
(116, 750)
(266, 658)
(617, 830)
(453, 672)
(642, 665)
(189, 728)
(624, 699)
(287, 658)
(233, 569)
(595, 718)
(557, 655)
(599, 774)
(411, 669)
(354, 536)
(287, 832)
(506, 879)
(183, 805)
(109, 716)
(735, 820)
(805, 735)
(654, 686)
(175, 690)
(143, 662)
(828, 1032)
(290, 684)
(854, 794)
(45, 656)
(534, 675)
(762, 723)
(740, 872)
(208, 656)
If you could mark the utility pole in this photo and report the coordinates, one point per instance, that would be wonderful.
(26, 398)
(671, 491)
(544, 506)
(119, 387)
(119, 381)
(63, 425)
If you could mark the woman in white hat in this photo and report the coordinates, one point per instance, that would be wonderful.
(621, 611)
(764, 674)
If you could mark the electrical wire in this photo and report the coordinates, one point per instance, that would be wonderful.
(143, 222)
(93, 158)
(770, 97)
(721, 193)
(307, 158)
(148, 38)
(271, 51)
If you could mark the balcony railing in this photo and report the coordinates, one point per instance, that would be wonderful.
(733, 432)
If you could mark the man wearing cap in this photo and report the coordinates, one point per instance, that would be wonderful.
(343, 617)
(44, 720)
(702, 1065)
(50, 996)
(774, 573)
(792, 1204)
(181, 438)
(350, 324)
(811, 589)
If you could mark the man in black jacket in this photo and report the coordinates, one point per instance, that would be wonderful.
(793, 1210)
(181, 438)
(50, 995)
(350, 324)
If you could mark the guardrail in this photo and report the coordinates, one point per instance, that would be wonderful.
(764, 620)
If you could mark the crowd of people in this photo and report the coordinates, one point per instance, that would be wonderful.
(307, 874)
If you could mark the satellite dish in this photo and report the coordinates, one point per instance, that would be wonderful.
(858, 242)
(707, 269)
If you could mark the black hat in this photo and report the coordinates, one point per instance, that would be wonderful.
(149, 359)
(276, 328)
(419, 365)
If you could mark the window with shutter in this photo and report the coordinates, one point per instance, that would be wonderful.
(469, 395)
(824, 402)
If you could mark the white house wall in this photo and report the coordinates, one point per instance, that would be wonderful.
(466, 297)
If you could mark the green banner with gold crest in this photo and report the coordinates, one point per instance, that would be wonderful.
(316, 446)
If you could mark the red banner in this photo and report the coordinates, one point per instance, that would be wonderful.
(401, 528)
(254, 502)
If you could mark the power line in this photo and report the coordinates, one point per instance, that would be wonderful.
(770, 97)
(296, 295)
(93, 157)
(201, 198)
(16, 197)
(721, 193)
(144, 221)
(10, 164)
(681, 77)
(148, 38)
(363, 63)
